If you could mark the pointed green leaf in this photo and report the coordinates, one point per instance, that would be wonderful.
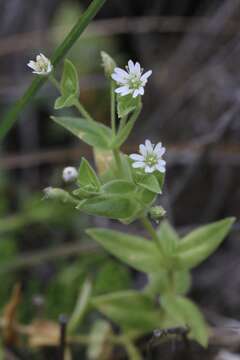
(167, 237)
(118, 187)
(199, 244)
(149, 182)
(135, 251)
(64, 101)
(91, 132)
(186, 313)
(99, 346)
(87, 175)
(69, 81)
(131, 310)
(114, 206)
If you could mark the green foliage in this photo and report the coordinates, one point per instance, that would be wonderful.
(129, 309)
(69, 86)
(134, 250)
(87, 176)
(127, 104)
(92, 133)
(201, 243)
(112, 277)
(167, 238)
(184, 312)
(99, 347)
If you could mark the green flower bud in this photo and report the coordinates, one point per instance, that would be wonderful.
(157, 212)
(59, 194)
(108, 63)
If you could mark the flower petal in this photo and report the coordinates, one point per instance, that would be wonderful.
(131, 66)
(137, 69)
(138, 164)
(149, 169)
(136, 157)
(149, 146)
(145, 76)
(135, 93)
(161, 169)
(143, 149)
(159, 150)
(121, 72)
(123, 90)
(141, 90)
(118, 78)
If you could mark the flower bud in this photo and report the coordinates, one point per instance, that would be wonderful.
(157, 212)
(58, 194)
(70, 174)
(108, 63)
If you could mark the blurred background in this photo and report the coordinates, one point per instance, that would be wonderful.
(192, 105)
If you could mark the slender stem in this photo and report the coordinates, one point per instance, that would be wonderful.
(83, 111)
(113, 107)
(123, 122)
(148, 226)
(117, 157)
(11, 115)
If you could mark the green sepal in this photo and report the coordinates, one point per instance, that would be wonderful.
(126, 104)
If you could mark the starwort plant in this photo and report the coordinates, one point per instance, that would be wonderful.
(125, 188)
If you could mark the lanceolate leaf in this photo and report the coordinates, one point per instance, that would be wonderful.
(186, 313)
(131, 310)
(149, 182)
(87, 175)
(69, 81)
(114, 206)
(126, 104)
(135, 251)
(91, 132)
(168, 238)
(118, 187)
(199, 244)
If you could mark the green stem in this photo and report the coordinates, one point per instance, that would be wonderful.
(148, 226)
(118, 161)
(11, 115)
(113, 107)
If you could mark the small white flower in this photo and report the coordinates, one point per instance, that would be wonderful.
(132, 80)
(42, 65)
(150, 157)
(70, 174)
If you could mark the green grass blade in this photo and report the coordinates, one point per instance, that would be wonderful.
(11, 115)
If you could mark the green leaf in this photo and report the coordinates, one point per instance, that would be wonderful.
(99, 346)
(135, 251)
(87, 175)
(127, 104)
(149, 182)
(159, 282)
(114, 206)
(69, 86)
(186, 313)
(64, 101)
(81, 307)
(167, 238)
(118, 187)
(69, 81)
(131, 310)
(124, 133)
(199, 244)
(91, 132)
(112, 277)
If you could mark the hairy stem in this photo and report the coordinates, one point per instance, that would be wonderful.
(113, 107)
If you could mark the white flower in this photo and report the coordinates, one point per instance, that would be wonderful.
(150, 157)
(70, 173)
(132, 80)
(42, 65)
